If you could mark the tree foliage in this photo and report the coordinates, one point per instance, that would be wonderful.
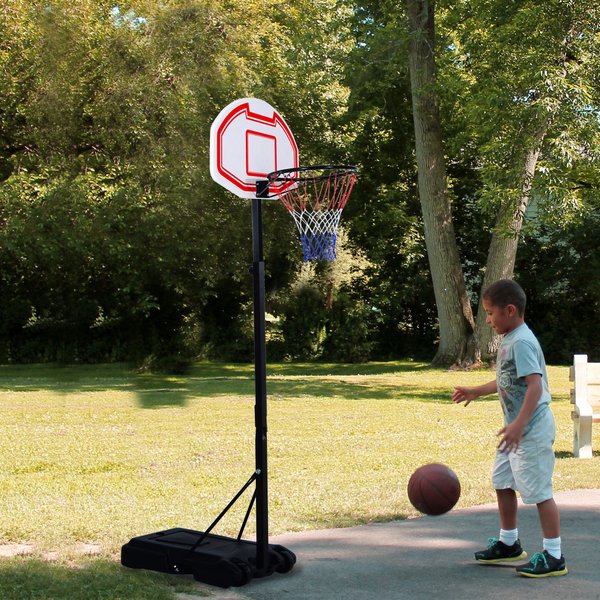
(512, 81)
(115, 244)
(527, 116)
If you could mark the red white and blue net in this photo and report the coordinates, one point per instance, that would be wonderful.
(315, 197)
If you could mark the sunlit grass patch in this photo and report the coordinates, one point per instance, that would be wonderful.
(90, 457)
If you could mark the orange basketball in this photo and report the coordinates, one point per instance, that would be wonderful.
(433, 489)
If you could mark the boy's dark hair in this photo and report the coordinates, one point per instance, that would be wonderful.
(504, 292)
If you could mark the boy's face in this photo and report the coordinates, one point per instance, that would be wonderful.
(501, 319)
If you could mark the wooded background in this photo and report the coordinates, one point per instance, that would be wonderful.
(474, 123)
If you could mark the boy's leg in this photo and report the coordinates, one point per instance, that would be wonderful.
(549, 518)
(507, 506)
(506, 548)
(535, 484)
(550, 562)
(550, 522)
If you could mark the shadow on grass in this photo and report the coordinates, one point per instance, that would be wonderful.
(281, 390)
(346, 369)
(151, 390)
(210, 380)
(174, 394)
(24, 578)
(155, 391)
(564, 454)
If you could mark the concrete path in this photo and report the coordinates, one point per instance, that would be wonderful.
(432, 557)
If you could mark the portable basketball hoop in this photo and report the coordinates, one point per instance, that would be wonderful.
(250, 144)
(315, 196)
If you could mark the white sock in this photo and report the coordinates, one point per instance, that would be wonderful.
(552, 546)
(509, 536)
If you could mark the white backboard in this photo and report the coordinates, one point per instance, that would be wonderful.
(248, 140)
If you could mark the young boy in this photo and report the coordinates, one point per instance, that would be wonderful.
(524, 457)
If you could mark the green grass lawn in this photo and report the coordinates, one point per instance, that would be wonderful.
(92, 456)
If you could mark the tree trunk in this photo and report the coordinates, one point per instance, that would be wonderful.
(502, 252)
(455, 316)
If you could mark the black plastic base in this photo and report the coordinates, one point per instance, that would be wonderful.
(219, 561)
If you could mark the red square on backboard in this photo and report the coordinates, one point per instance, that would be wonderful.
(261, 154)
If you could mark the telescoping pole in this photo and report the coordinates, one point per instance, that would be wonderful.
(260, 385)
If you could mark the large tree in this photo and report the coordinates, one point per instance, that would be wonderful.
(454, 310)
(525, 67)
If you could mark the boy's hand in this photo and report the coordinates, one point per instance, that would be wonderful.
(464, 394)
(511, 437)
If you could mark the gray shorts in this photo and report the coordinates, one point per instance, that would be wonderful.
(529, 470)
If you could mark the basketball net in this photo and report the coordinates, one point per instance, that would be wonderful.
(315, 197)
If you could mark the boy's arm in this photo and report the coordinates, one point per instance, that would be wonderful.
(513, 432)
(466, 394)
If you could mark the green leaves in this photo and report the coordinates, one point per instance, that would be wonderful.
(109, 218)
(111, 223)
(529, 65)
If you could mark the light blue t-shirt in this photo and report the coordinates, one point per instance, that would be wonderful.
(519, 355)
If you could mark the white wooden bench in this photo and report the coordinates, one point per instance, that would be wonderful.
(585, 395)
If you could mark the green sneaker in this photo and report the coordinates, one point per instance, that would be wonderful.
(499, 552)
(543, 564)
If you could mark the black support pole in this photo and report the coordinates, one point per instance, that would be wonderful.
(260, 376)
(215, 559)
